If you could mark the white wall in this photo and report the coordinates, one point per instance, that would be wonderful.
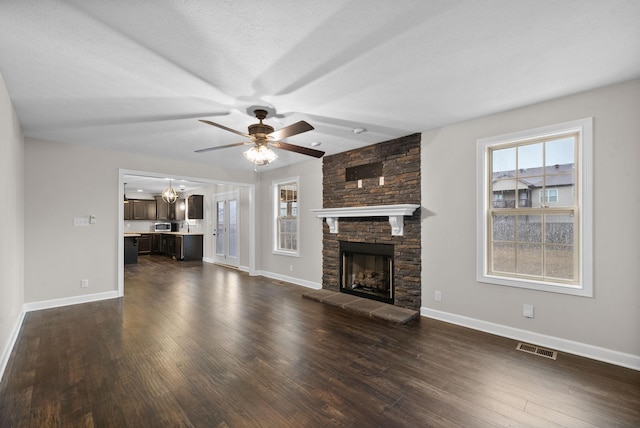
(307, 269)
(11, 225)
(57, 254)
(611, 319)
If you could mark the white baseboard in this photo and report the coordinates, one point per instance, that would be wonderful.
(582, 349)
(66, 301)
(297, 281)
(6, 353)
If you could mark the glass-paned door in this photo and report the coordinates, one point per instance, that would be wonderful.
(226, 232)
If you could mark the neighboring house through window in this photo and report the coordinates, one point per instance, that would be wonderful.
(535, 209)
(286, 227)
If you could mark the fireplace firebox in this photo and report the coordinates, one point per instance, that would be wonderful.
(366, 270)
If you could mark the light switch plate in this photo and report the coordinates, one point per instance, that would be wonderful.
(81, 221)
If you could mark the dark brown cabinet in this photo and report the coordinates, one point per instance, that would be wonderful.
(144, 244)
(156, 243)
(167, 211)
(196, 206)
(128, 210)
(180, 247)
(140, 209)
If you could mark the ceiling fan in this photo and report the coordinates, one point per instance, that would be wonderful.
(262, 136)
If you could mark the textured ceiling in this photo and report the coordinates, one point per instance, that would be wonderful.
(136, 75)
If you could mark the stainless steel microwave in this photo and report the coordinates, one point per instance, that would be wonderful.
(162, 227)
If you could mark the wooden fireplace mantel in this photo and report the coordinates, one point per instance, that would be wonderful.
(395, 213)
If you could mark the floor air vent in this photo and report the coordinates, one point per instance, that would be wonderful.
(536, 350)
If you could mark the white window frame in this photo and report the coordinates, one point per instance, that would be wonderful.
(584, 178)
(276, 215)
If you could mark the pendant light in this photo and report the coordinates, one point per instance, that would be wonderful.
(126, 201)
(169, 194)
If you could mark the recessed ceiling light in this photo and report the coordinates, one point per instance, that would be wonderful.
(359, 130)
(140, 190)
(316, 143)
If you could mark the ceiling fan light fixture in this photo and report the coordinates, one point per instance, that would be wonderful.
(169, 194)
(260, 155)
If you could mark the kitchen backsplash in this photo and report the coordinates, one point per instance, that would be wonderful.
(145, 226)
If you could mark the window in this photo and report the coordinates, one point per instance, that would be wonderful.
(550, 195)
(286, 238)
(534, 209)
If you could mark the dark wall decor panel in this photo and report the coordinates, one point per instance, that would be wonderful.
(371, 170)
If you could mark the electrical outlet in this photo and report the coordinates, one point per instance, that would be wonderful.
(438, 296)
(527, 311)
(84, 283)
(290, 268)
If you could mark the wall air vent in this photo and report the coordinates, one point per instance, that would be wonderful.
(537, 350)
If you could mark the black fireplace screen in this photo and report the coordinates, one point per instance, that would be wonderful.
(366, 270)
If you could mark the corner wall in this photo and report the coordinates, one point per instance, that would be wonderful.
(607, 324)
(305, 270)
(11, 226)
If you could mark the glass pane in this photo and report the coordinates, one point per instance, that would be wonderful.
(559, 261)
(504, 193)
(530, 259)
(220, 250)
(560, 152)
(558, 229)
(530, 160)
(559, 190)
(503, 160)
(233, 228)
(504, 228)
(530, 228)
(503, 256)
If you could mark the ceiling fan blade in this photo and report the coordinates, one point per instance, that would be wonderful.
(291, 130)
(298, 149)
(209, 149)
(217, 125)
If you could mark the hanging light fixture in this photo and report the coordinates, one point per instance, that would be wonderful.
(126, 201)
(169, 194)
(260, 155)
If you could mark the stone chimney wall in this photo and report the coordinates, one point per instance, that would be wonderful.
(400, 160)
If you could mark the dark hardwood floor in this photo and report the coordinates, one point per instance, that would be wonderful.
(195, 344)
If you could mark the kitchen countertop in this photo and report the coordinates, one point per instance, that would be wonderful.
(137, 234)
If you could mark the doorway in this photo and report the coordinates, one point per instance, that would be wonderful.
(226, 232)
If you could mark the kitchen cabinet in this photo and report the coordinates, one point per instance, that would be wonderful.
(140, 209)
(144, 244)
(156, 243)
(167, 211)
(128, 208)
(181, 247)
(130, 249)
(162, 209)
(196, 206)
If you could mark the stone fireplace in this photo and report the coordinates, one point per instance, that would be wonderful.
(371, 236)
(366, 270)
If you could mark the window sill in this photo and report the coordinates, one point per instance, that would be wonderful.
(286, 253)
(574, 290)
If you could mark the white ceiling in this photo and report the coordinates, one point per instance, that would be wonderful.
(136, 75)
